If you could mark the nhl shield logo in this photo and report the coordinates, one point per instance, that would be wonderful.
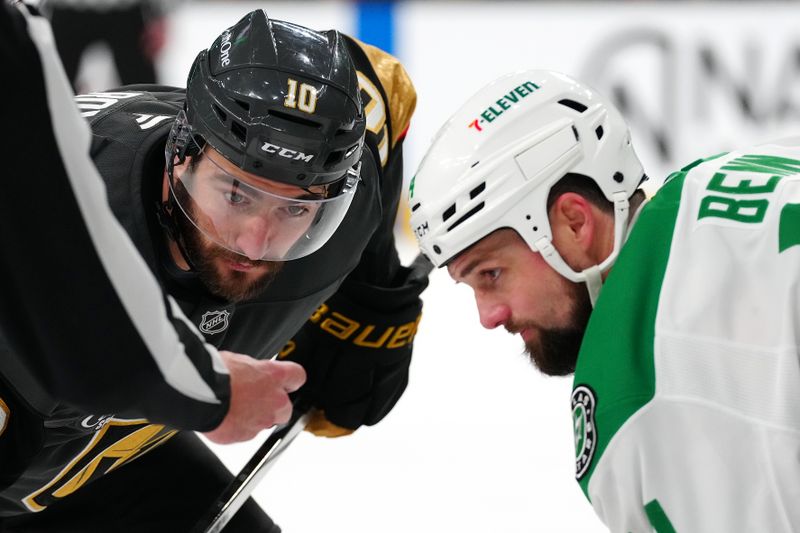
(583, 408)
(214, 322)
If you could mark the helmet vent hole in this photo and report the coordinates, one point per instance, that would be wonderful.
(223, 116)
(467, 215)
(536, 228)
(350, 151)
(415, 207)
(300, 121)
(450, 211)
(244, 105)
(618, 177)
(572, 104)
(477, 190)
(527, 217)
(575, 133)
(475, 164)
(599, 132)
(239, 132)
(334, 157)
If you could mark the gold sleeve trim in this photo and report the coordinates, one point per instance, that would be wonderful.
(396, 84)
(322, 427)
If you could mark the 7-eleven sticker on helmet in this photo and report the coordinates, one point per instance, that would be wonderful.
(505, 102)
(583, 408)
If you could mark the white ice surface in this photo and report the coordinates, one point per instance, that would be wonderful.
(480, 442)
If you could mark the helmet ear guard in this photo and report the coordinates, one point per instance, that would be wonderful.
(181, 142)
(493, 164)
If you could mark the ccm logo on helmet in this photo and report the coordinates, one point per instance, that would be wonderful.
(285, 152)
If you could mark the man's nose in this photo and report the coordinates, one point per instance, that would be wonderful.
(492, 313)
(253, 239)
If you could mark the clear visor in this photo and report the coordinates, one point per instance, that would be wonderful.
(257, 218)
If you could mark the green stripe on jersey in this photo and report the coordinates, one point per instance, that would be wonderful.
(658, 518)
(616, 357)
(789, 227)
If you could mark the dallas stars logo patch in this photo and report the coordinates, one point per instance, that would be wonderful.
(583, 407)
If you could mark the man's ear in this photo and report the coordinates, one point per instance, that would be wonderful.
(573, 221)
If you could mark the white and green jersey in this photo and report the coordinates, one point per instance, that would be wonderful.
(686, 400)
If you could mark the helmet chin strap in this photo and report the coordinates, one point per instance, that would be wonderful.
(165, 214)
(593, 275)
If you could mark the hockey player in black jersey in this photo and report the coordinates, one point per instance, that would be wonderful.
(55, 347)
(275, 203)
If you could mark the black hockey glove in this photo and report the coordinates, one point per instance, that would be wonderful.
(356, 349)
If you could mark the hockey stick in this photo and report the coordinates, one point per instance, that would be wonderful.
(242, 486)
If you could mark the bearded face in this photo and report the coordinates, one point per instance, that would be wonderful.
(225, 273)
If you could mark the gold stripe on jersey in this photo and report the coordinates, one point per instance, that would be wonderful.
(5, 414)
(109, 448)
(396, 84)
(320, 426)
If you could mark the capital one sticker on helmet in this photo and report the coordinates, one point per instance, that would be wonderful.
(503, 104)
(287, 153)
(224, 49)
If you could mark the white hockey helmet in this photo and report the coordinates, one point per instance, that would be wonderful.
(493, 163)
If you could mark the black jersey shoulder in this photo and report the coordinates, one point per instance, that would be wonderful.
(129, 130)
(129, 136)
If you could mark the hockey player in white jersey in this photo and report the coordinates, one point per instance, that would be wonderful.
(686, 367)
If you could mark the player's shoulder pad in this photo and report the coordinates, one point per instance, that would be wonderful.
(397, 85)
(149, 105)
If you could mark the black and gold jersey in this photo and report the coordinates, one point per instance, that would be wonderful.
(52, 451)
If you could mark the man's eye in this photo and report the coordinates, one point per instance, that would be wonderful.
(234, 198)
(296, 210)
(492, 274)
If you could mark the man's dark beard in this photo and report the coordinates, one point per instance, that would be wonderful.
(235, 287)
(556, 351)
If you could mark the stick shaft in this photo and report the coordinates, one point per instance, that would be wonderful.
(242, 486)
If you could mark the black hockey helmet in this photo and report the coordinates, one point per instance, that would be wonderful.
(275, 101)
(278, 100)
